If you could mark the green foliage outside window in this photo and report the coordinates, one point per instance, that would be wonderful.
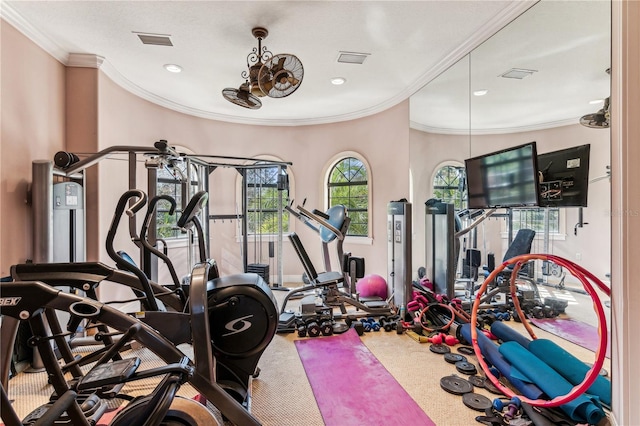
(449, 186)
(348, 186)
(262, 201)
(534, 219)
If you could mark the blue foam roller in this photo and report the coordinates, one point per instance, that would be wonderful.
(491, 353)
(580, 409)
(570, 367)
(508, 334)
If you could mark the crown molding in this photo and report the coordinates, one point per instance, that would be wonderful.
(85, 60)
(495, 131)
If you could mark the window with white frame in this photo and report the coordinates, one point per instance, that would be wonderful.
(348, 185)
(534, 218)
(449, 185)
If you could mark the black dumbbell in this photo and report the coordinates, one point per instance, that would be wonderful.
(326, 328)
(313, 329)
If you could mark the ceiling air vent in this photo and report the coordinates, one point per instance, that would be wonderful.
(352, 57)
(518, 73)
(155, 39)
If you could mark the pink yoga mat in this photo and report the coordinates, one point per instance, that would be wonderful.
(352, 388)
(577, 332)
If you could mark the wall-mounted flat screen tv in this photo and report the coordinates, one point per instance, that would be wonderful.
(564, 177)
(506, 178)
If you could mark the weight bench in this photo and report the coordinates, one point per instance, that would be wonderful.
(330, 294)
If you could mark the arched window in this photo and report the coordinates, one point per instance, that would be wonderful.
(348, 184)
(449, 185)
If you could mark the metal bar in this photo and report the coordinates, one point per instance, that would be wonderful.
(475, 223)
(225, 216)
(245, 226)
(150, 262)
(8, 333)
(280, 226)
(263, 162)
(95, 158)
(42, 204)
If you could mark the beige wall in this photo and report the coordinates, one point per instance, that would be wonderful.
(33, 128)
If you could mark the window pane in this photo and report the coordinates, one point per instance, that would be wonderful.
(348, 186)
(534, 219)
(449, 186)
(262, 201)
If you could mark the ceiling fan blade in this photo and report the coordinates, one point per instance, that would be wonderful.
(242, 97)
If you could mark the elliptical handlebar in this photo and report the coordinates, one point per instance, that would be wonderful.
(189, 218)
(151, 210)
(120, 261)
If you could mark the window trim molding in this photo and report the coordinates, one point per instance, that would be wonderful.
(335, 159)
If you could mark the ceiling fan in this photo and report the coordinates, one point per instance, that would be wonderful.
(600, 119)
(242, 97)
(275, 76)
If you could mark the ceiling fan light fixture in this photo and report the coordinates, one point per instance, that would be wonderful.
(254, 70)
(267, 74)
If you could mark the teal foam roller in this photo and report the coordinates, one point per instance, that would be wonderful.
(580, 409)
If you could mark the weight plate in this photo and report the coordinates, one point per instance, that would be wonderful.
(452, 358)
(456, 385)
(439, 349)
(603, 372)
(466, 367)
(476, 401)
(488, 385)
(466, 350)
(477, 381)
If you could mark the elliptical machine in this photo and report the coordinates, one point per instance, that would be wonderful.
(239, 314)
(229, 321)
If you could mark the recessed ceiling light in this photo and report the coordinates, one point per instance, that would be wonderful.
(338, 81)
(173, 68)
(596, 101)
(480, 92)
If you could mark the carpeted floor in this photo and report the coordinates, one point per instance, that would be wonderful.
(283, 396)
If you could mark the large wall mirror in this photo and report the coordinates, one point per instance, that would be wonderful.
(532, 81)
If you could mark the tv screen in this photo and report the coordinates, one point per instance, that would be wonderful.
(564, 177)
(506, 178)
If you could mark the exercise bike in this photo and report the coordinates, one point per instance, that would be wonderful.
(83, 400)
(237, 312)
